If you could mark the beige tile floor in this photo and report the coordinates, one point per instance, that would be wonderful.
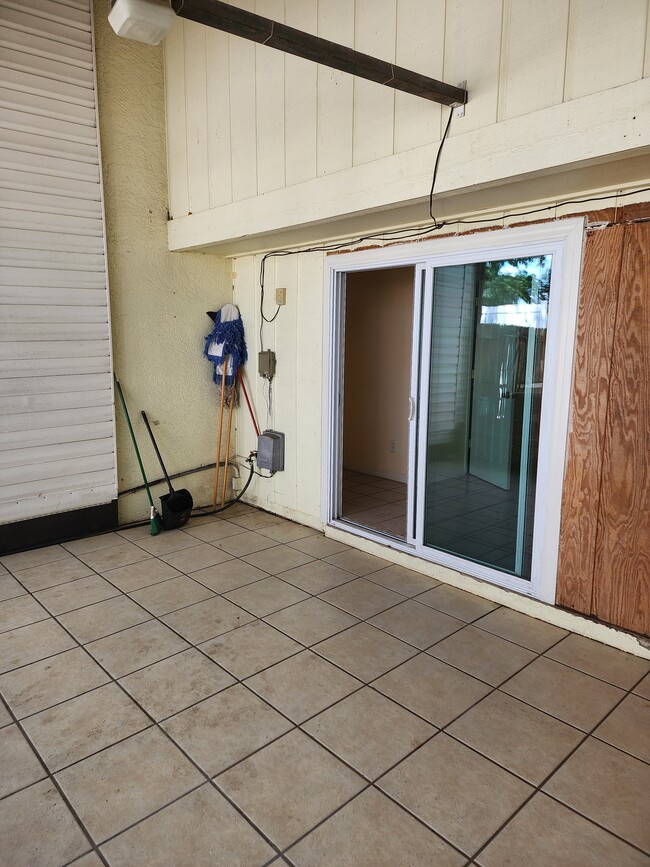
(245, 692)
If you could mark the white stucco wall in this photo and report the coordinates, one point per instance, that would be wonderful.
(158, 299)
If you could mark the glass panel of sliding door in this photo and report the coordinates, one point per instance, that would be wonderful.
(486, 370)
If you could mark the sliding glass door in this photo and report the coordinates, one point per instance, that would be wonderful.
(493, 345)
(484, 338)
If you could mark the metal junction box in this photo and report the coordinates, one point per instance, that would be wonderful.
(270, 451)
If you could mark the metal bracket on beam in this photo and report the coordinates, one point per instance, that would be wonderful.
(239, 22)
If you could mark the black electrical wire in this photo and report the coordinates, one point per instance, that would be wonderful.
(394, 234)
(408, 234)
(437, 163)
(251, 472)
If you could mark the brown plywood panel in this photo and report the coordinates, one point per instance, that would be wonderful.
(595, 335)
(622, 575)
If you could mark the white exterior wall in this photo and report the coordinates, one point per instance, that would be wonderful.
(296, 336)
(57, 439)
(260, 142)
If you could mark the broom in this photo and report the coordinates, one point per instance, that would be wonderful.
(154, 517)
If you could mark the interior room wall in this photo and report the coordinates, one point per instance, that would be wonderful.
(378, 334)
(158, 299)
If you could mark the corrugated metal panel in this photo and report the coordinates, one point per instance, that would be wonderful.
(57, 437)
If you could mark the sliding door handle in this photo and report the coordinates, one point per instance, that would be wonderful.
(411, 409)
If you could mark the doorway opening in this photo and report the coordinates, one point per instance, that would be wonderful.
(378, 316)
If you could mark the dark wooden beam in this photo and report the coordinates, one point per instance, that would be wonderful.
(239, 22)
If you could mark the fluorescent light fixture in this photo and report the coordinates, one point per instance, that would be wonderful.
(143, 20)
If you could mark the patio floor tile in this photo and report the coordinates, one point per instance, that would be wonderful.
(526, 741)
(197, 557)
(417, 624)
(533, 634)
(457, 603)
(27, 559)
(278, 559)
(364, 651)
(318, 546)
(75, 594)
(362, 598)
(431, 689)
(567, 694)
(287, 532)
(178, 763)
(19, 766)
(170, 595)
(168, 542)
(142, 574)
(255, 520)
(607, 786)
(42, 684)
(462, 796)
(94, 543)
(226, 728)
(249, 649)
(291, 771)
(74, 729)
(214, 530)
(248, 542)
(201, 829)
(37, 828)
(643, 688)
(207, 619)
(20, 611)
(317, 577)
(51, 574)
(303, 685)
(136, 647)
(171, 685)
(358, 562)
(266, 596)
(402, 580)
(229, 576)
(607, 663)
(369, 732)
(136, 777)
(31, 643)
(106, 559)
(103, 618)
(372, 831)
(482, 655)
(10, 588)
(546, 833)
(628, 727)
(311, 620)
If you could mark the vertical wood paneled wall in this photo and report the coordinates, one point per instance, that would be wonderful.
(604, 567)
(250, 120)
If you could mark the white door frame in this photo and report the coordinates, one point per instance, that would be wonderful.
(563, 239)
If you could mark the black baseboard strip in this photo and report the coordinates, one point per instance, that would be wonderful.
(50, 529)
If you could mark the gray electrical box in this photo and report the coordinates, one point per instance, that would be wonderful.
(266, 364)
(270, 451)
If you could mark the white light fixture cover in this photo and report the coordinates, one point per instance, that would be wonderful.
(144, 20)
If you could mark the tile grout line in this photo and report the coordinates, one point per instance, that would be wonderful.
(538, 788)
(49, 776)
(155, 724)
(260, 619)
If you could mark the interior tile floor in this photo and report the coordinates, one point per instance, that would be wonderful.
(375, 502)
(246, 691)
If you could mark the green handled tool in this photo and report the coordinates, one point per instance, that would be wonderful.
(156, 524)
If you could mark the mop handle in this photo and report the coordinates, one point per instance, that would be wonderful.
(250, 408)
(133, 440)
(160, 460)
